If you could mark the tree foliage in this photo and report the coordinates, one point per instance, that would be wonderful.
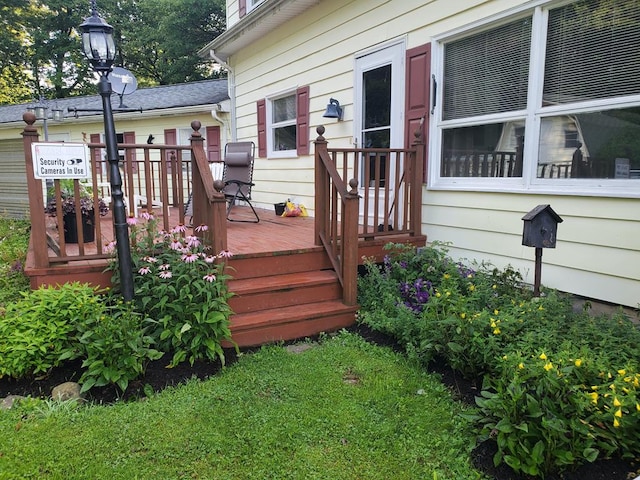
(157, 40)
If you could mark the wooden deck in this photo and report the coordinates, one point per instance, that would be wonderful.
(284, 285)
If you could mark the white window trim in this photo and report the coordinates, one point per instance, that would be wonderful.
(528, 183)
(251, 4)
(271, 153)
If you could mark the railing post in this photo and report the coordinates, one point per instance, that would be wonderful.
(209, 204)
(350, 245)
(322, 187)
(416, 185)
(36, 202)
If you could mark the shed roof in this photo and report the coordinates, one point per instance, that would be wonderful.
(205, 92)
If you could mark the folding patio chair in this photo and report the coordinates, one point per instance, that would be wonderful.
(237, 176)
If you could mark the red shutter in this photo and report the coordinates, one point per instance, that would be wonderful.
(130, 137)
(418, 77)
(302, 121)
(242, 7)
(213, 144)
(262, 128)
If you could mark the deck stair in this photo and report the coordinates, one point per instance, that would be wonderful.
(284, 296)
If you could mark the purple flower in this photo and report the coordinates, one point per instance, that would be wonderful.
(144, 270)
(201, 228)
(209, 278)
(165, 274)
(189, 257)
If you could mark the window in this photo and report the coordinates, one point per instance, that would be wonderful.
(549, 98)
(283, 124)
(245, 6)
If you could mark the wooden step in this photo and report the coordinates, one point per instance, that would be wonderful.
(287, 323)
(277, 263)
(282, 290)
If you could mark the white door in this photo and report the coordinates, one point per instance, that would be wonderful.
(379, 109)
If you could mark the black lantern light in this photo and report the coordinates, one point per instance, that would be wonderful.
(99, 48)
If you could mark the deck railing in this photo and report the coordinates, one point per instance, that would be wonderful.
(158, 178)
(388, 180)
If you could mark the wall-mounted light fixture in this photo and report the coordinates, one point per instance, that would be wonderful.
(334, 110)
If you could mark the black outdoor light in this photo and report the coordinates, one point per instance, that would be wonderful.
(99, 48)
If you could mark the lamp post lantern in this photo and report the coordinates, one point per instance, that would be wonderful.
(100, 50)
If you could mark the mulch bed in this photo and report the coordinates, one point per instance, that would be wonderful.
(158, 377)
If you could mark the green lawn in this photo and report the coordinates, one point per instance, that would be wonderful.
(343, 409)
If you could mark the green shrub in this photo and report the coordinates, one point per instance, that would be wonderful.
(35, 330)
(182, 287)
(114, 346)
(14, 243)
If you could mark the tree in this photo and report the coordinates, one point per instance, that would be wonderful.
(158, 40)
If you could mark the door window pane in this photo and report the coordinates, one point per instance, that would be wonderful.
(377, 97)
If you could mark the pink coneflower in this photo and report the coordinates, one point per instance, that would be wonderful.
(201, 228)
(175, 245)
(189, 257)
(147, 216)
(209, 278)
(144, 270)
(193, 241)
(225, 254)
(209, 259)
(180, 228)
(164, 266)
(165, 274)
(110, 247)
(132, 221)
(150, 259)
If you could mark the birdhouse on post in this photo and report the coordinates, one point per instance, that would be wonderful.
(540, 231)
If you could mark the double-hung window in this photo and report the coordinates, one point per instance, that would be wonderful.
(548, 100)
(281, 125)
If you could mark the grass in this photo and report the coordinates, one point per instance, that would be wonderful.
(342, 409)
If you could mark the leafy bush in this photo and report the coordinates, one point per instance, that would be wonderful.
(36, 330)
(560, 387)
(114, 346)
(182, 287)
(14, 243)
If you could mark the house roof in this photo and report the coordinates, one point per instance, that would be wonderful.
(263, 19)
(205, 92)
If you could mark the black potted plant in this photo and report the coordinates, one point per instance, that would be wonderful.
(68, 205)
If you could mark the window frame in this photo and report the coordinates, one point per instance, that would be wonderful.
(532, 116)
(251, 4)
(270, 126)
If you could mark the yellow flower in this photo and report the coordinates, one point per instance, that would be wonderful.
(447, 293)
(594, 387)
(521, 365)
(612, 386)
(472, 287)
(496, 331)
(496, 312)
(463, 315)
(493, 323)
(494, 286)
(638, 407)
(543, 356)
(578, 362)
(548, 366)
(438, 294)
(616, 423)
(618, 413)
(540, 307)
(593, 396)
(636, 382)
(616, 402)
(622, 372)
(446, 275)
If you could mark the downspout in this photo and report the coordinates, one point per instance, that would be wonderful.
(223, 122)
(231, 88)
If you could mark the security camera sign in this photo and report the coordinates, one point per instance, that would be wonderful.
(60, 160)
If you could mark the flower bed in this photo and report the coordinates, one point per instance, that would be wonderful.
(560, 388)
